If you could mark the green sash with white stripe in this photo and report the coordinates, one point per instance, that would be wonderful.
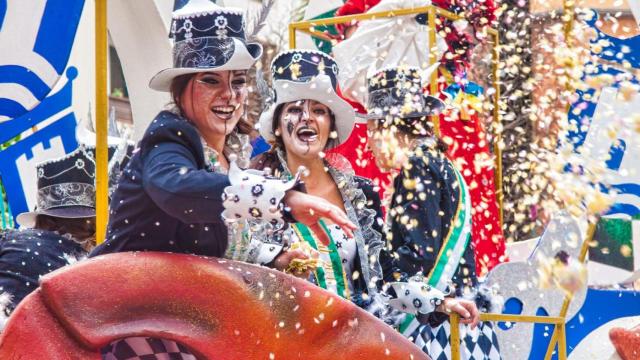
(453, 247)
(330, 276)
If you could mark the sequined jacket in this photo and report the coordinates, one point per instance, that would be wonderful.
(167, 199)
(363, 207)
(423, 205)
(27, 254)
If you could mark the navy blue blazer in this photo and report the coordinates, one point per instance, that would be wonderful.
(417, 243)
(166, 199)
(25, 255)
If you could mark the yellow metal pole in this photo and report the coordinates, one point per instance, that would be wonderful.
(496, 125)
(454, 319)
(562, 345)
(371, 16)
(433, 82)
(292, 36)
(552, 345)
(568, 17)
(102, 200)
(522, 318)
(317, 34)
(567, 300)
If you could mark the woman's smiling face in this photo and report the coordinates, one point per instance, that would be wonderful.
(215, 101)
(305, 127)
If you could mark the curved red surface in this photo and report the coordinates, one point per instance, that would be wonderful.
(219, 309)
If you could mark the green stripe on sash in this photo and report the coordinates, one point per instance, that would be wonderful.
(450, 254)
(335, 267)
(336, 262)
(455, 242)
(408, 319)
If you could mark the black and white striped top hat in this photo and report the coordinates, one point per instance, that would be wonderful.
(307, 74)
(399, 92)
(207, 37)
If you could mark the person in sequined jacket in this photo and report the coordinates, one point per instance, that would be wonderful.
(429, 211)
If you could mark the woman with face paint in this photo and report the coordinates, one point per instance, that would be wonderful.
(429, 216)
(170, 196)
(306, 119)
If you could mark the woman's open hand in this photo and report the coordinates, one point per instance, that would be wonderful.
(309, 209)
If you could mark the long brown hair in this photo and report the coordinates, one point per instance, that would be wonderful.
(179, 85)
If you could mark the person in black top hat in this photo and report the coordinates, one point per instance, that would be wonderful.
(170, 197)
(429, 217)
(59, 231)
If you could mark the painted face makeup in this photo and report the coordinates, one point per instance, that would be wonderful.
(307, 126)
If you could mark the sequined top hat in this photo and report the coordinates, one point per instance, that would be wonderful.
(207, 37)
(398, 93)
(307, 74)
(66, 187)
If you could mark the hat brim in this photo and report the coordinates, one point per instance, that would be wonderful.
(319, 89)
(28, 219)
(432, 104)
(243, 58)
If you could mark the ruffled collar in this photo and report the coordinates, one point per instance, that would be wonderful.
(355, 203)
(426, 143)
(237, 148)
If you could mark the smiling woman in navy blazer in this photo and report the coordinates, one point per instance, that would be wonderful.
(170, 196)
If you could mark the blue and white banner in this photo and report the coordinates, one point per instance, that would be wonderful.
(605, 125)
(37, 80)
(36, 38)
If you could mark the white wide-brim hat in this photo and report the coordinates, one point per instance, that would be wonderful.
(320, 89)
(207, 37)
(28, 219)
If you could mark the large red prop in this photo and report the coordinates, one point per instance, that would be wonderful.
(219, 309)
(626, 342)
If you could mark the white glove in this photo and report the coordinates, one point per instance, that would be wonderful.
(252, 196)
(415, 297)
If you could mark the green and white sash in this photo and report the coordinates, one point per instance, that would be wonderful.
(329, 275)
(451, 252)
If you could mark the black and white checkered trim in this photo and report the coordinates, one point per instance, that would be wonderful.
(480, 343)
(144, 348)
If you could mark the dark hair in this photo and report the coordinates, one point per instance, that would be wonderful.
(80, 228)
(417, 127)
(178, 86)
(270, 158)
